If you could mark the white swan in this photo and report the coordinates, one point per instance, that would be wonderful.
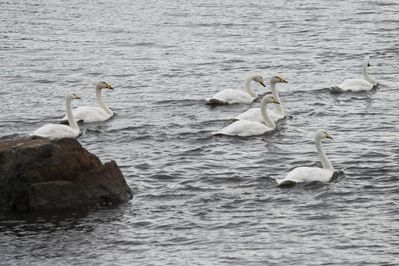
(254, 114)
(355, 85)
(310, 174)
(57, 131)
(89, 114)
(230, 96)
(245, 128)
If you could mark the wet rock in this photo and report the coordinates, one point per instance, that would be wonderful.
(40, 174)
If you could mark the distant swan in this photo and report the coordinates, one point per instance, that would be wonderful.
(356, 85)
(88, 114)
(57, 131)
(310, 174)
(244, 128)
(254, 114)
(230, 96)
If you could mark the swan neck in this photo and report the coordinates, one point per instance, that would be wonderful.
(323, 157)
(248, 88)
(101, 103)
(365, 74)
(279, 107)
(269, 122)
(71, 119)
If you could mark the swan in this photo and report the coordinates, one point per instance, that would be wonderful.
(89, 114)
(310, 174)
(356, 85)
(254, 114)
(57, 131)
(245, 128)
(230, 96)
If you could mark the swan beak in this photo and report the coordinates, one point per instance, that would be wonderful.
(328, 136)
(282, 80)
(276, 102)
(77, 98)
(261, 83)
(110, 87)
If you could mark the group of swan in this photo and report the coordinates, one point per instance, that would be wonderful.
(257, 121)
(84, 114)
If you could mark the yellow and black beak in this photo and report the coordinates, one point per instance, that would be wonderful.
(275, 101)
(77, 97)
(261, 83)
(328, 136)
(109, 87)
(283, 80)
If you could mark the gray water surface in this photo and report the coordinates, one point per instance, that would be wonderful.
(202, 200)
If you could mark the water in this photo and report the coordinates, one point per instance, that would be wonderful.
(201, 200)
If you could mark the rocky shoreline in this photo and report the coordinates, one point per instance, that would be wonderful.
(43, 174)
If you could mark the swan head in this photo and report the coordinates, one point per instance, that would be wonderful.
(259, 79)
(72, 96)
(268, 98)
(321, 135)
(367, 61)
(103, 85)
(278, 79)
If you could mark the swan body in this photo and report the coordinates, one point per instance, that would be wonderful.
(244, 128)
(254, 114)
(88, 114)
(310, 174)
(57, 131)
(230, 96)
(357, 85)
(307, 174)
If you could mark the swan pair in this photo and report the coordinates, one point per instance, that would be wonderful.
(257, 121)
(357, 85)
(85, 114)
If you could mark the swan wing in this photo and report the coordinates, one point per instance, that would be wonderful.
(89, 114)
(307, 174)
(230, 96)
(244, 128)
(56, 131)
(254, 114)
(355, 85)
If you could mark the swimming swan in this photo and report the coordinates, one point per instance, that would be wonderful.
(356, 85)
(230, 96)
(310, 174)
(57, 131)
(89, 114)
(254, 114)
(244, 128)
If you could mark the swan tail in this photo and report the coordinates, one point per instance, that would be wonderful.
(286, 183)
(217, 133)
(336, 89)
(214, 102)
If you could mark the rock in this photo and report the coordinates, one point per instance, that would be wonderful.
(43, 174)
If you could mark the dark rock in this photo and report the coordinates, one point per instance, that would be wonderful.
(40, 174)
